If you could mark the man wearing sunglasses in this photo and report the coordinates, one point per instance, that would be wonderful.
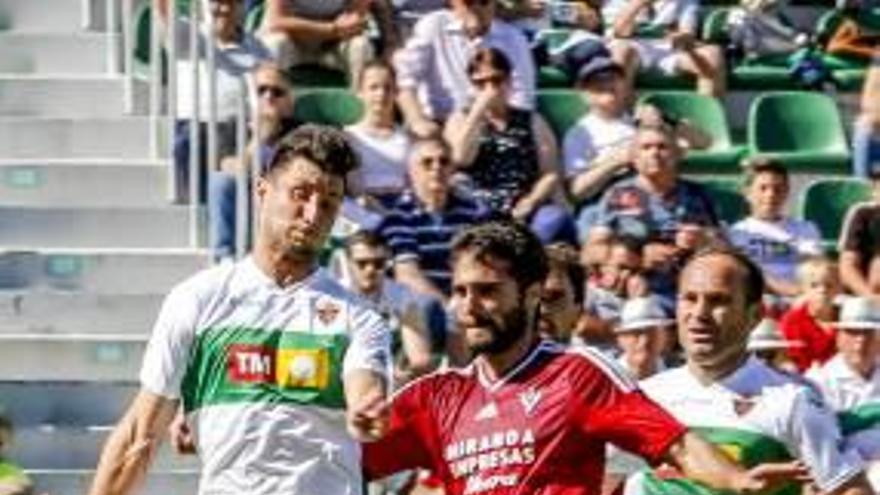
(432, 66)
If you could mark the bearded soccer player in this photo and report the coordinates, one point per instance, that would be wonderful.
(528, 416)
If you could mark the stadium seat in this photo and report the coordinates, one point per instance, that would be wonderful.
(802, 129)
(730, 205)
(143, 26)
(562, 108)
(254, 17)
(337, 107)
(707, 114)
(826, 201)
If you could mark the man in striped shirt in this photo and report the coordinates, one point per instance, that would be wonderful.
(421, 223)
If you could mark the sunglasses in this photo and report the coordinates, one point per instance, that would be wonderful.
(377, 263)
(272, 91)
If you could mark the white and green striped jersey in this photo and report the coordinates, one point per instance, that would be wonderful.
(755, 415)
(259, 369)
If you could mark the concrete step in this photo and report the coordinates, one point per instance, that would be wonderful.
(99, 271)
(63, 447)
(63, 314)
(73, 404)
(76, 482)
(47, 357)
(69, 53)
(84, 185)
(29, 227)
(67, 96)
(120, 138)
(42, 15)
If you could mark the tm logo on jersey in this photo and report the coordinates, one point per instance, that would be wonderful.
(287, 368)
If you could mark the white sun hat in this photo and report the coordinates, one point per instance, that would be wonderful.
(859, 313)
(642, 313)
(766, 336)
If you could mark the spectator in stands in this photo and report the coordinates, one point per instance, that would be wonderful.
(13, 481)
(807, 321)
(562, 297)
(598, 148)
(866, 132)
(380, 142)
(773, 240)
(676, 51)
(640, 335)
(860, 243)
(237, 54)
(368, 258)
(420, 224)
(850, 381)
(767, 343)
(274, 119)
(618, 277)
(652, 206)
(432, 66)
(329, 34)
(407, 12)
(508, 153)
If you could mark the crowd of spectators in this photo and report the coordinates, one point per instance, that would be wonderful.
(450, 136)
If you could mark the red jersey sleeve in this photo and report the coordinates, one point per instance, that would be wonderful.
(611, 407)
(407, 444)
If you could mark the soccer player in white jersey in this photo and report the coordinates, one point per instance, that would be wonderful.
(753, 412)
(267, 354)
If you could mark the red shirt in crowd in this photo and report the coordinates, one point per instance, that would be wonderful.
(541, 429)
(818, 342)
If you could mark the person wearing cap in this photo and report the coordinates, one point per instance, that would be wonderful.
(850, 381)
(767, 343)
(508, 153)
(13, 481)
(641, 336)
(754, 412)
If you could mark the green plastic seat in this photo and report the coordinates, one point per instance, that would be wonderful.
(254, 17)
(143, 25)
(714, 28)
(562, 108)
(708, 115)
(730, 205)
(656, 80)
(826, 201)
(337, 107)
(802, 129)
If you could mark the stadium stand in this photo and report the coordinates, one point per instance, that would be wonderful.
(826, 201)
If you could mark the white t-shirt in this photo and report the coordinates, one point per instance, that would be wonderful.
(383, 159)
(776, 247)
(753, 412)
(846, 391)
(680, 13)
(234, 64)
(259, 369)
(591, 136)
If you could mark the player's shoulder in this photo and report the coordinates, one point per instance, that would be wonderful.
(586, 362)
(206, 282)
(444, 382)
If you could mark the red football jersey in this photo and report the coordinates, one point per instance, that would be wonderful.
(541, 429)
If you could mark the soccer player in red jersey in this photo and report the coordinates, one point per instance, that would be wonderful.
(529, 416)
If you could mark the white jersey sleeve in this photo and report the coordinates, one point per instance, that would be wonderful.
(167, 354)
(816, 439)
(370, 347)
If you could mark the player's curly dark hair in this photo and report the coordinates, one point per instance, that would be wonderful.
(507, 241)
(325, 146)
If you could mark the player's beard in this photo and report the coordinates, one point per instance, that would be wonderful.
(505, 333)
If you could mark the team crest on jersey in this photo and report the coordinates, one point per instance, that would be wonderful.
(530, 399)
(327, 311)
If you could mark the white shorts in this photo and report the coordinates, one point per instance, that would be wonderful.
(657, 54)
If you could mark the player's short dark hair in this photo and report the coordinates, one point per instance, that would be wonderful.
(510, 242)
(325, 146)
(757, 165)
(364, 237)
(753, 279)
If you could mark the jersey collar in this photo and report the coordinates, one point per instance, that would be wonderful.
(524, 363)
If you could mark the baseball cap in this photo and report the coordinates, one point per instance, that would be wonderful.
(598, 67)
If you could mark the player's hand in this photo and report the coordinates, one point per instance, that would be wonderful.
(180, 436)
(424, 128)
(770, 477)
(368, 419)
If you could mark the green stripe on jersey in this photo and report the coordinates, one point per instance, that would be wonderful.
(860, 418)
(251, 365)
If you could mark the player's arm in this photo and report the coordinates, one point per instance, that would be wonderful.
(701, 461)
(132, 445)
(367, 376)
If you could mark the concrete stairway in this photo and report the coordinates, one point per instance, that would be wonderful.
(89, 244)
